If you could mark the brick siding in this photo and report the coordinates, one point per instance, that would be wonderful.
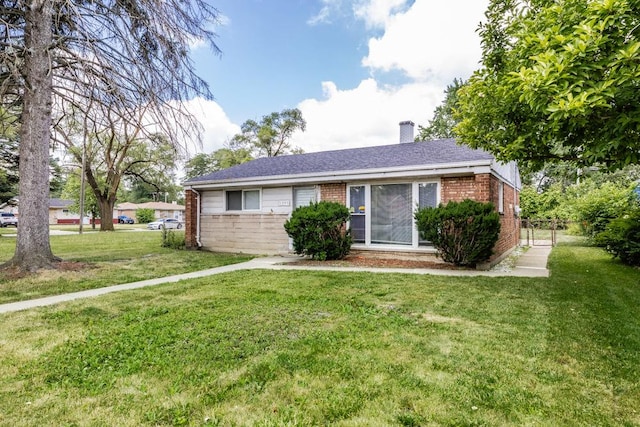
(191, 219)
(509, 222)
(334, 193)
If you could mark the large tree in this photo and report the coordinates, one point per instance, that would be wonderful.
(560, 80)
(122, 53)
(113, 146)
(272, 135)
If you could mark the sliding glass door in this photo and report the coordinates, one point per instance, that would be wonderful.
(391, 214)
(382, 214)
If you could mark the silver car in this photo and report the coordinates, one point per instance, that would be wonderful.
(7, 219)
(164, 223)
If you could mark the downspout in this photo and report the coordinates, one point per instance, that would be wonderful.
(197, 218)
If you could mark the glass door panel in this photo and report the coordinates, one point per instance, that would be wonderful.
(358, 213)
(391, 214)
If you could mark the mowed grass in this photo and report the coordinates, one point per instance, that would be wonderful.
(96, 259)
(277, 348)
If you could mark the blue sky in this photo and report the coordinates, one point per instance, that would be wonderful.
(354, 68)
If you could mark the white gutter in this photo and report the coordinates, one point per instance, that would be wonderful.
(197, 217)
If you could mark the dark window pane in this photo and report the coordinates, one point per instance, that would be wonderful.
(234, 200)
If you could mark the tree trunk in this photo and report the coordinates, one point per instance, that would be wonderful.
(106, 213)
(33, 249)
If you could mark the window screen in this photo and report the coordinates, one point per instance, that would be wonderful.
(234, 200)
(251, 199)
(303, 196)
(392, 214)
(428, 195)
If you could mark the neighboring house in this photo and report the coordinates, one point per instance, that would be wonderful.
(60, 213)
(161, 210)
(243, 208)
(11, 206)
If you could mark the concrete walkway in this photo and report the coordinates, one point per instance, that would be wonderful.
(532, 263)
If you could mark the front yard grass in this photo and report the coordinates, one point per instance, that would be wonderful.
(94, 260)
(272, 348)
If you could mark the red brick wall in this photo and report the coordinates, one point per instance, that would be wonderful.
(509, 223)
(334, 193)
(457, 189)
(191, 219)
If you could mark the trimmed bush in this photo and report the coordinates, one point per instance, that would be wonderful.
(319, 230)
(145, 215)
(622, 238)
(464, 233)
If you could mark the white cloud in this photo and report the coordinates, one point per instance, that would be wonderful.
(432, 40)
(329, 8)
(377, 13)
(367, 115)
(217, 128)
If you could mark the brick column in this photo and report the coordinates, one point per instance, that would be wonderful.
(191, 219)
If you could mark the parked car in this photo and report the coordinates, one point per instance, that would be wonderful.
(123, 219)
(164, 223)
(7, 219)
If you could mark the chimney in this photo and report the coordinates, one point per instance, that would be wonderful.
(406, 131)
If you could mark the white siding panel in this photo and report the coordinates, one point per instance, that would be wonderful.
(277, 200)
(212, 202)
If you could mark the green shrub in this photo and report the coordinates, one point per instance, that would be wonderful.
(595, 209)
(622, 238)
(319, 230)
(463, 233)
(543, 205)
(145, 215)
(172, 239)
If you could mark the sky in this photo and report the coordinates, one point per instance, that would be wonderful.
(354, 68)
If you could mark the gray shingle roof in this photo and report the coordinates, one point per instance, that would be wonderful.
(59, 203)
(387, 156)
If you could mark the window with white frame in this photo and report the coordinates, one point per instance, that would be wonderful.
(427, 198)
(382, 214)
(303, 196)
(243, 200)
(501, 197)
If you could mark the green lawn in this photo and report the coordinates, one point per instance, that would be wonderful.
(112, 258)
(273, 348)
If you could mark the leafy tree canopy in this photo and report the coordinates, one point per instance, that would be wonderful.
(443, 121)
(559, 81)
(223, 158)
(271, 136)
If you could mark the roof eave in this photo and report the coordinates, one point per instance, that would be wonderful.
(477, 166)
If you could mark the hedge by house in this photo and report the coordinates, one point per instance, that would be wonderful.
(319, 230)
(464, 233)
